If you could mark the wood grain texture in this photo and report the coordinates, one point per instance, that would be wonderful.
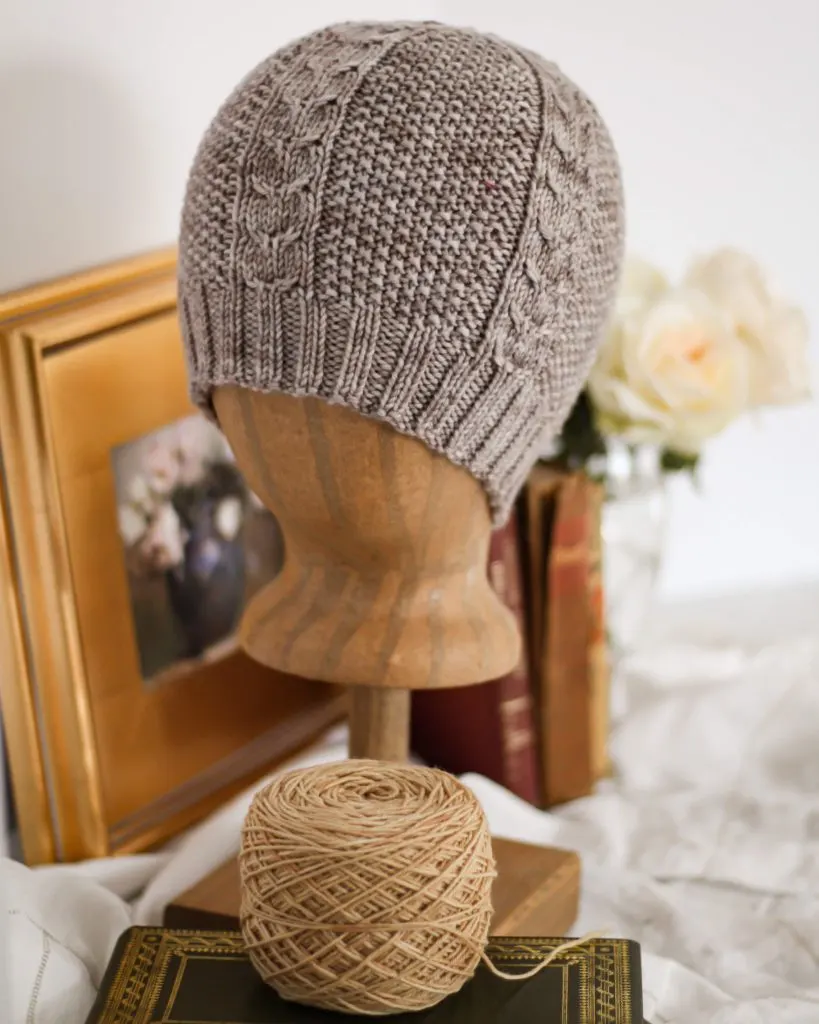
(384, 582)
(379, 723)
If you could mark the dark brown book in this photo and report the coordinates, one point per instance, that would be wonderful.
(191, 977)
(536, 892)
(488, 728)
(537, 506)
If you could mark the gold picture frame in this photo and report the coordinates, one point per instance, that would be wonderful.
(100, 763)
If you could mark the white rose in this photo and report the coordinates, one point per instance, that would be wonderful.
(671, 373)
(162, 468)
(228, 518)
(785, 377)
(139, 495)
(131, 524)
(163, 545)
(641, 283)
(775, 333)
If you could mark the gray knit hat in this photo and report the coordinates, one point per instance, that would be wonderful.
(418, 222)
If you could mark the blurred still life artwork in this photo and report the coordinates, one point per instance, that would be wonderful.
(197, 542)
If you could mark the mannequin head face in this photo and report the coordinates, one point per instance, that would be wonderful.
(386, 546)
(351, 485)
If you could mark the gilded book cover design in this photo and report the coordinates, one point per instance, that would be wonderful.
(162, 976)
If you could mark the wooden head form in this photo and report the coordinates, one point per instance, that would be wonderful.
(384, 581)
(384, 585)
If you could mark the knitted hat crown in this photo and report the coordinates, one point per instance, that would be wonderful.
(418, 222)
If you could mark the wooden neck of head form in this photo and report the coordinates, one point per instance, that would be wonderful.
(384, 586)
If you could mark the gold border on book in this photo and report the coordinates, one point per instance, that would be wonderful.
(45, 642)
(603, 966)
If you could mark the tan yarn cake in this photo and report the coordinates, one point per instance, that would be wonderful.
(366, 886)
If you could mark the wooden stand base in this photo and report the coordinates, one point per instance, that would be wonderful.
(536, 893)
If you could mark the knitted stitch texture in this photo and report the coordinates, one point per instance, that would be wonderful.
(418, 222)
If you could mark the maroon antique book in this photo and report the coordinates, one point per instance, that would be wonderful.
(488, 728)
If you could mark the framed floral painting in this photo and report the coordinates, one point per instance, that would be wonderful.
(129, 545)
(197, 543)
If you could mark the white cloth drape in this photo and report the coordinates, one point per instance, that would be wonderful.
(704, 848)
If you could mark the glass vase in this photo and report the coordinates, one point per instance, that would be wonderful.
(634, 526)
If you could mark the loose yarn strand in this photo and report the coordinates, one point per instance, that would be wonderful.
(555, 953)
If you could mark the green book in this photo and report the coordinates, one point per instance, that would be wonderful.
(169, 976)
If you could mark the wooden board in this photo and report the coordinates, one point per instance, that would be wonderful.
(536, 893)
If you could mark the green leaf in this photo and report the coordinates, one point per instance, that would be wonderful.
(580, 439)
(678, 462)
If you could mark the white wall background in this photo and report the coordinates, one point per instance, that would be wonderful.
(714, 105)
